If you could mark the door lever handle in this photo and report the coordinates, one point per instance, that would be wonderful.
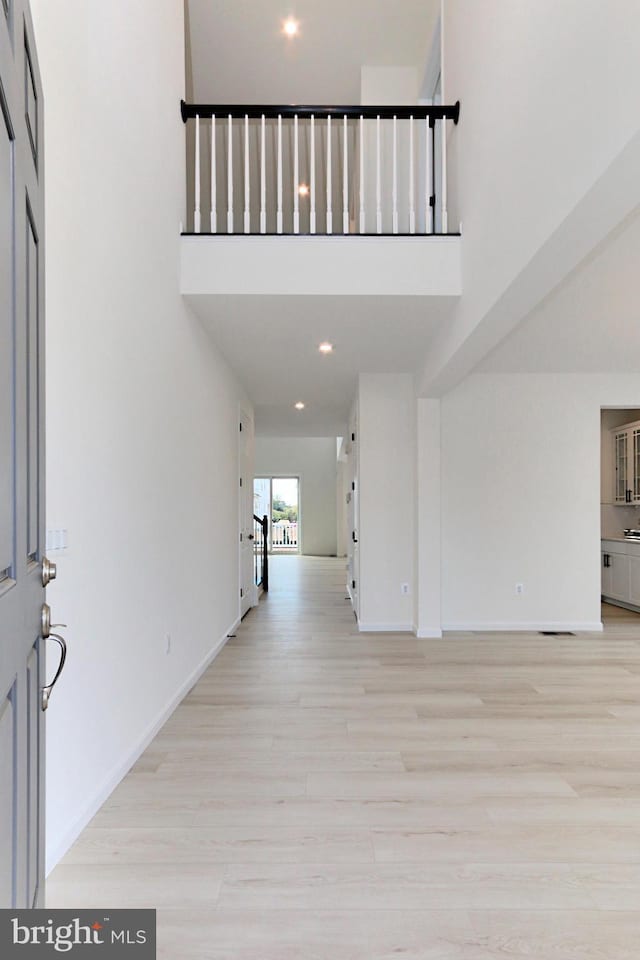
(48, 688)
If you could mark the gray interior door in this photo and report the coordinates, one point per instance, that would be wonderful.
(21, 463)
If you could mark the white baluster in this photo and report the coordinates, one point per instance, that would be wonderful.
(296, 177)
(443, 199)
(412, 199)
(329, 199)
(263, 178)
(362, 209)
(196, 213)
(428, 221)
(247, 179)
(279, 213)
(345, 178)
(230, 176)
(378, 179)
(214, 212)
(312, 211)
(395, 175)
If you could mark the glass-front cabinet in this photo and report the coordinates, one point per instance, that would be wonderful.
(626, 455)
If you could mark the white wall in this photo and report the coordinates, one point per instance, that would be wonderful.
(313, 459)
(142, 412)
(550, 97)
(386, 442)
(521, 498)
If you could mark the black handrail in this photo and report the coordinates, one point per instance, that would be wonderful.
(239, 111)
(264, 543)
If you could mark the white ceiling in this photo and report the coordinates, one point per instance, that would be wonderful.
(272, 345)
(239, 55)
(590, 324)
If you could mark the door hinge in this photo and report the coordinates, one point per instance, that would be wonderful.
(240, 481)
(353, 584)
(353, 485)
(241, 428)
(353, 437)
(241, 592)
(240, 538)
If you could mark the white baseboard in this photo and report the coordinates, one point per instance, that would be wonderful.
(385, 627)
(114, 777)
(428, 633)
(520, 626)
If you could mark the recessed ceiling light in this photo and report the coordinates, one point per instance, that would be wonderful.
(290, 27)
(303, 190)
(326, 347)
(299, 405)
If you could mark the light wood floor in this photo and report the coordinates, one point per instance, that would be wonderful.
(322, 795)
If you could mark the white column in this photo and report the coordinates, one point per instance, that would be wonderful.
(428, 614)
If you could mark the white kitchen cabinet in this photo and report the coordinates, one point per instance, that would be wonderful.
(620, 569)
(634, 580)
(626, 463)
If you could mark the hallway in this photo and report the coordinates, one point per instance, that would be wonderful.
(325, 795)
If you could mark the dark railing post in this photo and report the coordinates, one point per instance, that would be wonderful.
(265, 553)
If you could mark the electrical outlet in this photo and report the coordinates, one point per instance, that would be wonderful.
(519, 588)
(168, 646)
(404, 589)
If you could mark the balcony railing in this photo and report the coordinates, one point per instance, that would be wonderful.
(284, 536)
(316, 170)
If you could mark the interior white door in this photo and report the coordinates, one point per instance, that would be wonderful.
(245, 460)
(22, 576)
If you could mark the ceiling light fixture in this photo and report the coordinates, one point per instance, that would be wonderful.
(299, 405)
(303, 190)
(326, 347)
(290, 27)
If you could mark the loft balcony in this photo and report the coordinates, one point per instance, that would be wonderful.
(318, 200)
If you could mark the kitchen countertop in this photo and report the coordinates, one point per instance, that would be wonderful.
(621, 539)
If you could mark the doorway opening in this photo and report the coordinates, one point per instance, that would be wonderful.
(620, 515)
(278, 498)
